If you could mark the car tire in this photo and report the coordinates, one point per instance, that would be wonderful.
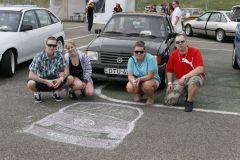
(60, 45)
(234, 59)
(220, 35)
(163, 81)
(8, 64)
(188, 30)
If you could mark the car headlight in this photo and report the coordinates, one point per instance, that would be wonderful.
(92, 55)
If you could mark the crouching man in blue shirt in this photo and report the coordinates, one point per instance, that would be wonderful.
(48, 72)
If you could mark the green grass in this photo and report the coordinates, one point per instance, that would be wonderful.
(211, 5)
(140, 4)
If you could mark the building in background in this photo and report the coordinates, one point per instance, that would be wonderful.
(75, 9)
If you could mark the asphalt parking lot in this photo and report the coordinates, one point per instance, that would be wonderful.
(109, 126)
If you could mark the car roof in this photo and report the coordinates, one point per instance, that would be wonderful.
(19, 8)
(141, 14)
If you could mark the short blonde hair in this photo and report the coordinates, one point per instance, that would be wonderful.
(70, 43)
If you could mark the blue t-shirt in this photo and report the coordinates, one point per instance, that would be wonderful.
(149, 64)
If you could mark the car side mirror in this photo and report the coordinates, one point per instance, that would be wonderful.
(171, 35)
(98, 31)
(26, 28)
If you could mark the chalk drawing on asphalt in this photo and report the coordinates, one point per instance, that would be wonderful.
(88, 124)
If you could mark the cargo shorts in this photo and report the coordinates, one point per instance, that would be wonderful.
(181, 90)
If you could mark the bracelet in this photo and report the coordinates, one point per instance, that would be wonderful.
(169, 83)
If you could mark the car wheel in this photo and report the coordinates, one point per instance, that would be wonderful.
(234, 60)
(8, 64)
(163, 81)
(188, 30)
(60, 45)
(220, 35)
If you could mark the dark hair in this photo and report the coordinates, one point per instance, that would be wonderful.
(139, 44)
(51, 38)
(177, 2)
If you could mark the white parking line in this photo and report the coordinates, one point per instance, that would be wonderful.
(79, 37)
(227, 50)
(98, 92)
(75, 27)
(202, 41)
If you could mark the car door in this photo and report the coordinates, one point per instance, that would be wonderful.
(50, 25)
(29, 37)
(199, 25)
(215, 21)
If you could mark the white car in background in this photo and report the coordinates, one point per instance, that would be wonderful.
(218, 24)
(23, 32)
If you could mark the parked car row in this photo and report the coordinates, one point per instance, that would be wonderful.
(23, 32)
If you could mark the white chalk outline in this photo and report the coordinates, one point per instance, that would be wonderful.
(68, 138)
(98, 92)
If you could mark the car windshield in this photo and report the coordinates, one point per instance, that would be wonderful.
(9, 21)
(147, 26)
(185, 11)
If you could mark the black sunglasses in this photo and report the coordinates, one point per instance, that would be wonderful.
(180, 42)
(136, 52)
(52, 45)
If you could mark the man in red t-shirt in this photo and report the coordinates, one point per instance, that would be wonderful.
(187, 65)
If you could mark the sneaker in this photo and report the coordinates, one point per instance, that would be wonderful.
(188, 106)
(37, 97)
(72, 95)
(83, 93)
(56, 96)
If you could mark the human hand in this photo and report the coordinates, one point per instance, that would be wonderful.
(49, 83)
(182, 81)
(56, 82)
(169, 89)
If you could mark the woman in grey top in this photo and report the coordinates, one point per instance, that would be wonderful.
(80, 71)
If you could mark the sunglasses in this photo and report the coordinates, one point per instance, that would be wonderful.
(136, 52)
(180, 42)
(52, 45)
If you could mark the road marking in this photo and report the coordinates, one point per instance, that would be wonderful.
(203, 41)
(88, 124)
(227, 50)
(75, 27)
(79, 37)
(98, 92)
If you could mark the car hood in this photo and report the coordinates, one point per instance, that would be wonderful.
(115, 44)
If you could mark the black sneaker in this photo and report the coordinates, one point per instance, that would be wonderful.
(83, 93)
(37, 98)
(72, 95)
(188, 106)
(56, 96)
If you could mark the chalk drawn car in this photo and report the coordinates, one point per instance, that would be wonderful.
(23, 32)
(95, 125)
(110, 50)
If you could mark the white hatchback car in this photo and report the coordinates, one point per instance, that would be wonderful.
(23, 32)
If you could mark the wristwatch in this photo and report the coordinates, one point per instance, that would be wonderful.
(184, 77)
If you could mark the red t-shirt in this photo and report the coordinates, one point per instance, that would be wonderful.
(183, 64)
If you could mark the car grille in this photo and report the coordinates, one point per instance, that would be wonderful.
(114, 58)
